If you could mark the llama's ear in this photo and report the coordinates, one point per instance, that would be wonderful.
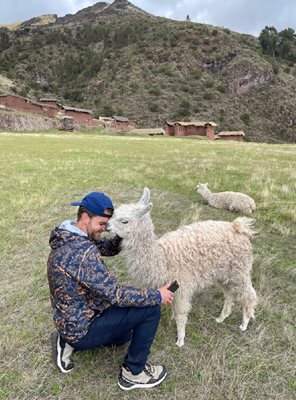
(145, 197)
(206, 184)
(144, 210)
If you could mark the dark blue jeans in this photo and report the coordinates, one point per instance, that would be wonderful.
(117, 326)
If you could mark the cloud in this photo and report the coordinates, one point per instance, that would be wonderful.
(14, 10)
(245, 16)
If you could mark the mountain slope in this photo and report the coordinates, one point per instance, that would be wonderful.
(118, 59)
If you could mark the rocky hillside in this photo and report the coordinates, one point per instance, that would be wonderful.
(6, 85)
(118, 59)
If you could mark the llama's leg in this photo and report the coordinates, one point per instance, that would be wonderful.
(181, 320)
(181, 307)
(231, 207)
(246, 209)
(249, 300)
(228, 303)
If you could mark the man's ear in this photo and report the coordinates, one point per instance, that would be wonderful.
(85, 217)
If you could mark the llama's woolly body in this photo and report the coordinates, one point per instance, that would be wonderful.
(198, 250)
(233, 201)
(196, 255)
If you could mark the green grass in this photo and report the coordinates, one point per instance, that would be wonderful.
(40, 174)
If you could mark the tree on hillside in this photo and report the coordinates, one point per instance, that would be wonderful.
(288, 34)
(278, 44)
(285, 43)
(268, 39)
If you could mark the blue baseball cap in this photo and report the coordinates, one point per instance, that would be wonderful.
(97, 203)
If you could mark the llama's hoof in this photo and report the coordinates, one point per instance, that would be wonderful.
(180, 342)
(219, 320)
(243, 328)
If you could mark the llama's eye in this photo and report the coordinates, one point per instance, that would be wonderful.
(124, 221)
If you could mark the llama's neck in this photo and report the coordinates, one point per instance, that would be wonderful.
(206, 193)
(145, 261)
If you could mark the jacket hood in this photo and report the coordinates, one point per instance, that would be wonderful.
(61, 237)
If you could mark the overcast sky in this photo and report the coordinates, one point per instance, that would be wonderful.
(245, 16)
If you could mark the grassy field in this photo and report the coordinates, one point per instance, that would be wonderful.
(42, 173)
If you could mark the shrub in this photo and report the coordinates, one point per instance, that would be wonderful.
(166, 70)
(246, 118)
(73, 95)
(185, 89)
(154, 107)
(108, 110)
(195, 41)
(196, 74)
(192, 46)
(221, 115)
(184, 109)
(173, 42)
(4, 40)
(154, 90)
(134, 87)
(209, 83)
(221, 88)
(208, 96)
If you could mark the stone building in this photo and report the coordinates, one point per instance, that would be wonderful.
(238, 136)
(198, 128)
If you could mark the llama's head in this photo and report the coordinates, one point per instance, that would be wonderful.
(202, 187)
(128, 219)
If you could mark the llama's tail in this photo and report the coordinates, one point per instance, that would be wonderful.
(244, 225)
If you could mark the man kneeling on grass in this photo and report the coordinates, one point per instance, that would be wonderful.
(90, 307)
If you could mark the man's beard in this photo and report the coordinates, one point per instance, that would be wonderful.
(95, 235)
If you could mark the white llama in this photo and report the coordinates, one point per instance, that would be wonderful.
(233, 201)
(196, 255)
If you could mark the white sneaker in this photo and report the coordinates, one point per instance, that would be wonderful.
(61, 352)
(152, 375)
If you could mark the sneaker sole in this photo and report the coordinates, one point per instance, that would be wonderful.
(56, 352)
(142, 385)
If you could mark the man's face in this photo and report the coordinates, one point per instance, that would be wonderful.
(95, 226)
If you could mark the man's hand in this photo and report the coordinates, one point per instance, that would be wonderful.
(167, 296)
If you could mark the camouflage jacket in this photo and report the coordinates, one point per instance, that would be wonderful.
(81, 287)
